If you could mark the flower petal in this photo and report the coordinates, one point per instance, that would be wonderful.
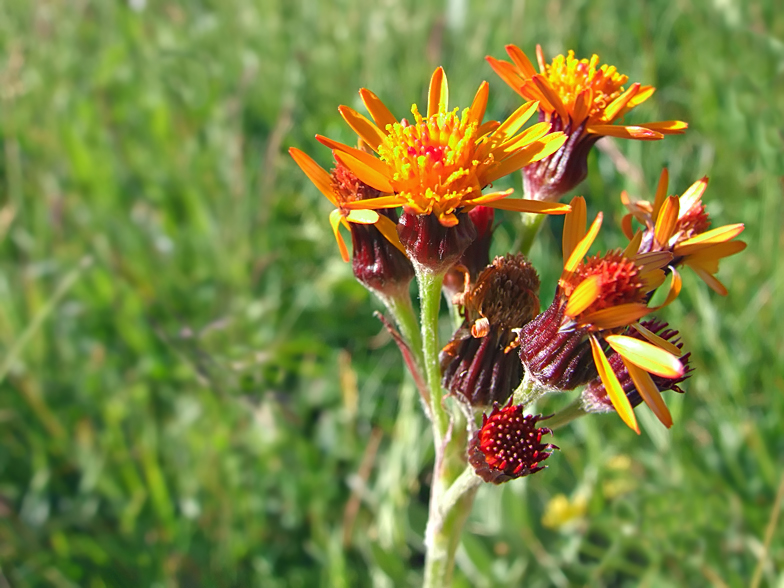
(717, 251)
(615, 316)
(582, 247)
(646, 356)
(574, 226)
(624, 132)
(656, 340)
(583, 296)
(363, 127)
(614, 390)
(661, 193)
(551, 96)
(634, 240)
(507, 73)
(521, 60)
(667, 127)
(317, 174)
(615, 108)
(387, 227)
(376, 203)
(675, 288)
(666, 221)
(479, 105)
(712, 281)
(649, 393)
(438, 94)
(363, 216)
(362, 156)
(525, 205)
(718, 235)
(692, 195)
(377, 109)
(547, 145)
(334, 219)
(366, 173)
(529, 135)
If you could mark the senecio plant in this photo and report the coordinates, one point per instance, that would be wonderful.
(595, 340)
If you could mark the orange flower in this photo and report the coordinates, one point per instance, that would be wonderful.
(439, 163)
(342, 188)
(580, 93)
(606, 294)
(680, 225)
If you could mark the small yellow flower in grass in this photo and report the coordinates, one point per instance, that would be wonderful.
(439, 163)
(681, 225)
(585, 101)
(561, 511)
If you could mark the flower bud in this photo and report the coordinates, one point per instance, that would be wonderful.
(432, 245)
(509, 445)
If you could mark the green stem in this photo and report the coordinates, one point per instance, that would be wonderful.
(530, 229)
(430, 302)
(447, 512)
(567, 415)
(403, 312)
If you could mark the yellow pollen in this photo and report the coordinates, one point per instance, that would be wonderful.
(570, 76)
(433, 161)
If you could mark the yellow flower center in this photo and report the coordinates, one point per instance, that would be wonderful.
(433, 161)
(570, 76)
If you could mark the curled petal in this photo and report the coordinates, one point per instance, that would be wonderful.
(335, 219)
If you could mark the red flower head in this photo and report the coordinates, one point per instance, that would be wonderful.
(509, 445)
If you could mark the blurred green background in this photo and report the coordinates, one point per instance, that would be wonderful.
(193, 390)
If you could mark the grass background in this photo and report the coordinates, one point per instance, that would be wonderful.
(193, 391)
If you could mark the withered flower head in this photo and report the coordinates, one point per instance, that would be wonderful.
(681, 226)
(581, 99)
(438, 164)
(478, 365)
(509, 445)
(595, 398)
(378, 258)
(597, 300)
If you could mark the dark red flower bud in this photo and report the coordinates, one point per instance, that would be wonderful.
(556, 359)
(430, 244)
(378, 264)
(550, 178)
(509, 445)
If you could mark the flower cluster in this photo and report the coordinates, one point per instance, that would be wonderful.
(412, 194)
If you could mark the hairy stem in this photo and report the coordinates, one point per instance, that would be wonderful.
(529, 230)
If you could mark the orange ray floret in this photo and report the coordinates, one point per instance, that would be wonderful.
(681, 225)
(580, 91)
(439, 163)
(342, 188)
